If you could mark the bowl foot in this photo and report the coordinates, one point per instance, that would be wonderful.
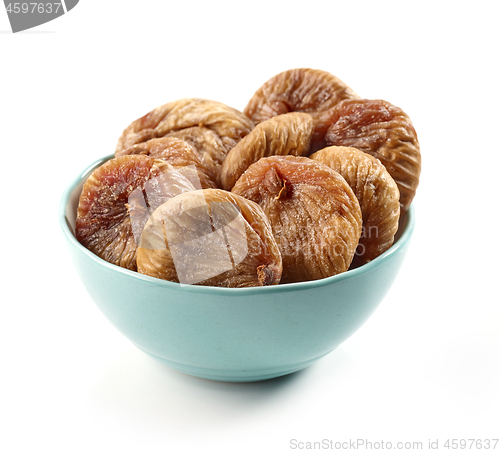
(227, 375)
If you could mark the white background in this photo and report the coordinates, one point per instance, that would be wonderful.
(425, 366)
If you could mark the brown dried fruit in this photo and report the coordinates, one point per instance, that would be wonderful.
(287, 134)
(386, 132)
(298, 90)
(210, 237)
(223, 125)
(177, 153)
(206, 142)
(315, 216)
(377, 193)
(116, 202)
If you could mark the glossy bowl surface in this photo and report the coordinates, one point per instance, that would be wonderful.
(233, 334)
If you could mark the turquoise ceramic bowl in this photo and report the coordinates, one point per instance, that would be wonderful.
(233, 334)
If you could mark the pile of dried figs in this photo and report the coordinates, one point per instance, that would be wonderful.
(307, 181)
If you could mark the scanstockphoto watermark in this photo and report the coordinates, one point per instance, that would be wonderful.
(202, 229)
(356, 444)
(26, 15)
(470, 444)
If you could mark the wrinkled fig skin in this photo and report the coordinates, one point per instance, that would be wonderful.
(222, 125)
(103, 224)
(212, 238)
(299, 90)
(207, 143)
(315, 216)
(386, 132)
(377, 193)
(177, 153)
(287, 134)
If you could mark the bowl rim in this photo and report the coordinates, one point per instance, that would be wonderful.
(213, 290)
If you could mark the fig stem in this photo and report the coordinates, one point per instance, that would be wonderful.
(265, 275)
(284, 189)
(275, 184)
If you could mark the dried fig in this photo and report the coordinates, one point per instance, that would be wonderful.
(287, 134)
(177, 153)
(210, 237)
(314, 214)
(298, 90)
(377, 193)
(206, 142)
(116, 201)
(386, 132)
(202, 117)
